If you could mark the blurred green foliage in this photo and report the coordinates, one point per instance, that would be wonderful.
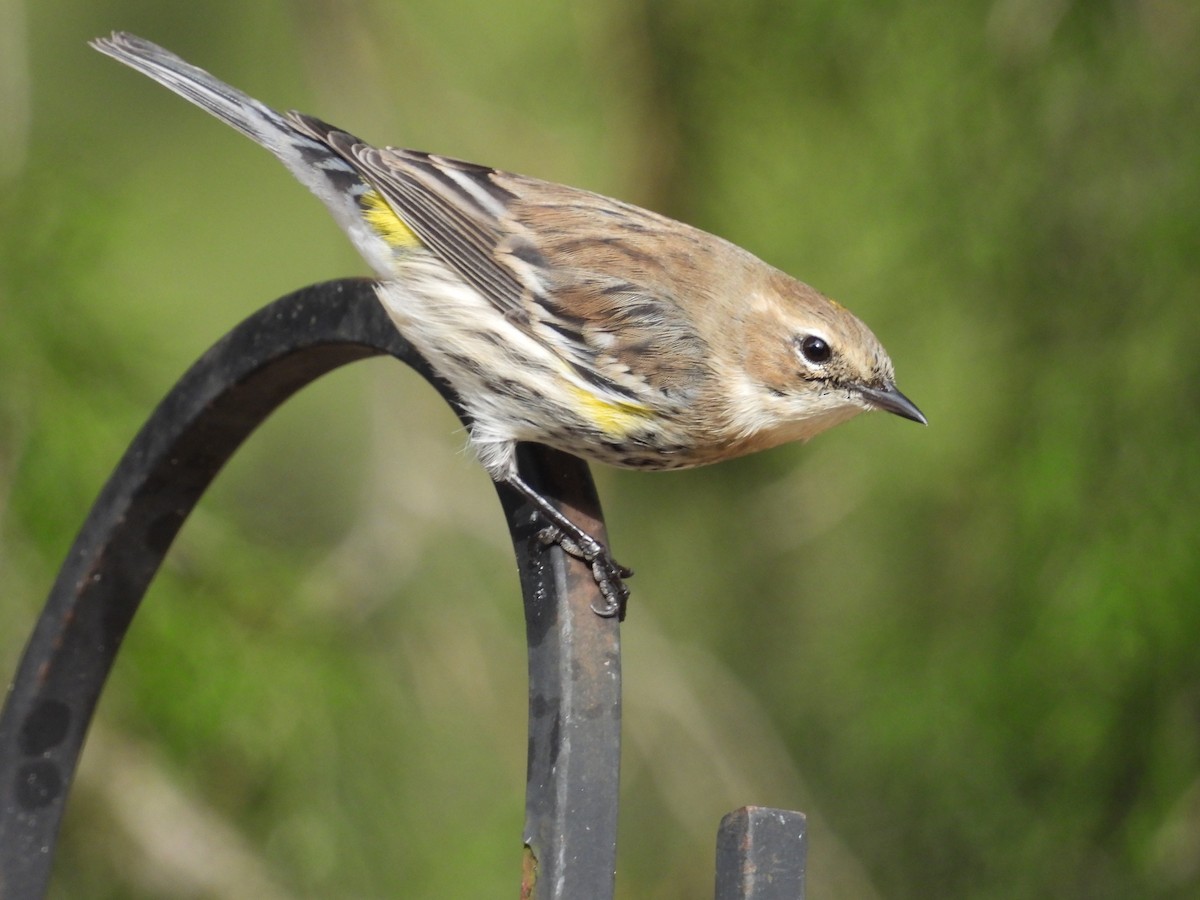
(969, 652)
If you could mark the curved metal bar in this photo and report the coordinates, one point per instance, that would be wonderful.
(573, 654)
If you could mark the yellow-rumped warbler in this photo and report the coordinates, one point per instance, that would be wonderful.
(566, 318)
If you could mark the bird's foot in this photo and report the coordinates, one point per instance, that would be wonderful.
(609, 574)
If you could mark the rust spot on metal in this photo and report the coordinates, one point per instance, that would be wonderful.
(529, 873)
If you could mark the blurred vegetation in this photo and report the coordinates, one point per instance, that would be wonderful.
(969, 652)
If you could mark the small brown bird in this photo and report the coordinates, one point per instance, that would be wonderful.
(566, 318)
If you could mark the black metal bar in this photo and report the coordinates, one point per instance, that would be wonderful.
(170, 463)
(574, 699)
(761, 855)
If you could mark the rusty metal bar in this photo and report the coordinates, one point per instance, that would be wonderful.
(573, 654)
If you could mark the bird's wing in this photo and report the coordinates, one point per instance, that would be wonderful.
(454, 208)
(566, 265)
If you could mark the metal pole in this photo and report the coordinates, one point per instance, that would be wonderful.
(574, 668)
(761, 855)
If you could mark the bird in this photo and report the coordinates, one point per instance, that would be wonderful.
(567, 318)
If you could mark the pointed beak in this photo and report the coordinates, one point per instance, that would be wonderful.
(891, 400)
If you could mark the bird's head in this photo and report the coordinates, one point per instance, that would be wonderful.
(809, 364)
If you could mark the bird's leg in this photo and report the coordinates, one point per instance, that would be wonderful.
(610, 575)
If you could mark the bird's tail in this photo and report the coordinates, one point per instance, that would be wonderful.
(255, 120)
(329, 175)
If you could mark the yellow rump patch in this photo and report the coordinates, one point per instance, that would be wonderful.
(385, 223)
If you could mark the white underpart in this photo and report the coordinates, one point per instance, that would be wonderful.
(444, 317)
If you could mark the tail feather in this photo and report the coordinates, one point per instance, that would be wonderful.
(255, 120)
(336, 181)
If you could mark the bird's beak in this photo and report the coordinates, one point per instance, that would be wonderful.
(891, 400)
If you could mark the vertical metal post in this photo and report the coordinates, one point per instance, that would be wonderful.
(761, 855)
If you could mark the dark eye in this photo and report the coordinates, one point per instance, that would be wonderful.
(815, 349)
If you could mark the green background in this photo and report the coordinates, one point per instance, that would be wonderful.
(971, 653)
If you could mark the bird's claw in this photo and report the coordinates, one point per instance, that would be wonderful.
(609, 574)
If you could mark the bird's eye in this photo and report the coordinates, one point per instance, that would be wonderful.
(815, 349)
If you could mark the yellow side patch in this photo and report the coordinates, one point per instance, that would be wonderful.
(385, 223)
(615, 418)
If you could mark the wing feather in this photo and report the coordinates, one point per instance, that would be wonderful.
(606, 302)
